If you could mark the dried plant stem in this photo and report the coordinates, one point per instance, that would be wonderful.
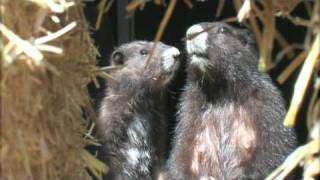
(94, 165)
(55, 35)
(188, 3)
(267, 38)
(9, 47)
(291, 68)
(162, 27)
(24, 45)
(101, 8)
(294, 159)
(284, 44)
(49, 48)
(165, 20)
(312, 110)
(108, 76)
(286, 52)
(273, 32)
(299, 21)
(314, 22)
(157, 2)
(134, 4)
(89, 133)
(55, 6)
(256, 30)
(220, 8)
(230, 19)
(41, 17)
(312, 170)
(237, 4)
(110, 68)
(244, 12)
(308, 7)
(108, 6)
(302, 82)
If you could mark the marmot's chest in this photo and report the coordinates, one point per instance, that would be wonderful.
(226, 136)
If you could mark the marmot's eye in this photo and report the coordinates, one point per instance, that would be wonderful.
(243, 41)
(223, 30)
(144, 52)
(118, 58)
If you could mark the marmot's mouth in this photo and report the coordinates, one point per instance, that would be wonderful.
(199, 60)
(199, 54)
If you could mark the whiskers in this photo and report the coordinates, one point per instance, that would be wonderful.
(105, 73)
(110, 68)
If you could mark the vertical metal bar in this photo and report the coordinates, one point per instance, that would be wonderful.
(125, 25)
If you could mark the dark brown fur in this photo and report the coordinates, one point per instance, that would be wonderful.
(230, 118)
(131, 120)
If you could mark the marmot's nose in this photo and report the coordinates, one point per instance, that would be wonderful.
(172, 52)
(169, 57)
(197, 36)
(193, 31)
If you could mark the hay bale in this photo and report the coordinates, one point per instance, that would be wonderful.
(47, 61)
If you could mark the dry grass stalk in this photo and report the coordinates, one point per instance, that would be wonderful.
(188, 3)
(313, 112)
(302, 82)
(43, 99)
(220, 8)
(266, 15)
(303, 153)
(292, 67)
(55, 35)
(244, 12)
(133, 5)
(284, 7)
(256, 30)
(22, 45)
(162, 27)
(103, 8)
(268, 35)
(288, 49)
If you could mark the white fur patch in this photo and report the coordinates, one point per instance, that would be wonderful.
(136, 131)
(144, 167)
(201, 62)
(133, 155)
(198, 43)
(138, 137)
(169, 58)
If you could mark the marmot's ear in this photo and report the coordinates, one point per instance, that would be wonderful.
(248, 37)
(117, 58)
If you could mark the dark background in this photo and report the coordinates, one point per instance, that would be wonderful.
(116, 28)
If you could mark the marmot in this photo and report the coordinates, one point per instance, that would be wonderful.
(230, 117)
(131, 120)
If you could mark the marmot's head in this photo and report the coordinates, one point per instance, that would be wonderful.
(133, 57)
(220, 47)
